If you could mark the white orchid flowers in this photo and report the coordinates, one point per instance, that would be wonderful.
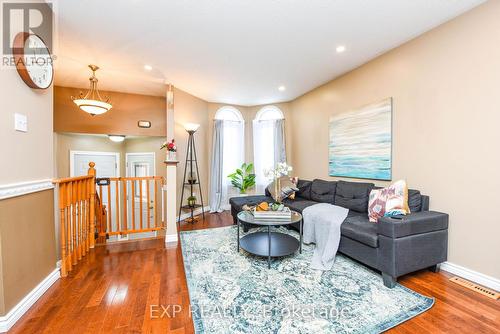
(281, 169)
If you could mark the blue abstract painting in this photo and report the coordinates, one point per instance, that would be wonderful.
(361, 142)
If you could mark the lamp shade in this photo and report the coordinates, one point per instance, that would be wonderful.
(93, 107)
(191, 127)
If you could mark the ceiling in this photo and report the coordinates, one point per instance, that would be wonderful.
(233, 51)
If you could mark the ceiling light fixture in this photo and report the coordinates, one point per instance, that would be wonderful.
(92, 102)
(281, 88)
(116, 138)
(340, 48)
(148, 67)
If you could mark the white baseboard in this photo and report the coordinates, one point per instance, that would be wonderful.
(23, 188)
(8, 320)
(471, 275)
(171, 238)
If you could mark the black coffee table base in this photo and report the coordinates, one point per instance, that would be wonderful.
(269, 244)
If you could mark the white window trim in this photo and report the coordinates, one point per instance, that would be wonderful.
(266, 109)
(230, 109)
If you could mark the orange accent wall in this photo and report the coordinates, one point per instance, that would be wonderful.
(121, 119)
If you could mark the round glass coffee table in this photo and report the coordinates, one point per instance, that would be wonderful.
(269, 244)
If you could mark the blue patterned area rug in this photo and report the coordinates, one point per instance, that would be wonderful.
(234, 292)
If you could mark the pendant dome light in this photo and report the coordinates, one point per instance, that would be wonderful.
(92, 102)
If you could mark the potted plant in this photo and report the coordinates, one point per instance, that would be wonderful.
(171, 150)
(191, 200)
(243, 178)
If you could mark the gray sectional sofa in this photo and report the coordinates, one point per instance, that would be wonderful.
(395, 247)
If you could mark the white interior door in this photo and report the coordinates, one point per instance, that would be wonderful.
(106, 165)
(139, 165)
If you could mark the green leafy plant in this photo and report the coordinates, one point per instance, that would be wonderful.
(243, 178)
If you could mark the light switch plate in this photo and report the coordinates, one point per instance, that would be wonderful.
(20, 122)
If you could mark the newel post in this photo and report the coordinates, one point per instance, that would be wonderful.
(91, 172)
(171, 202)
(170, 187)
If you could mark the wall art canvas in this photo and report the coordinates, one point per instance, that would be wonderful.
(361, 142)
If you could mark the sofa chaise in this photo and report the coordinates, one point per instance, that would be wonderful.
(393, 246)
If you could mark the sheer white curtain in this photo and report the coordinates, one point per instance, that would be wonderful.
(268, 148)
(233, 156)
(217, 185)
(279, 141)
(227, 155)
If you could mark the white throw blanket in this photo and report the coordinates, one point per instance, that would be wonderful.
(322, 227)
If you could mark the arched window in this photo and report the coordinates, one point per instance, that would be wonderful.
(269, 113)
(228, 154)
(229, 114)
(268, 142)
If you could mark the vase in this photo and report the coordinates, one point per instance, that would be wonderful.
(172, 156)
(277, 190)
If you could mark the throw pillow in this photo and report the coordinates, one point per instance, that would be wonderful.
(397, 199)
(390, 201)
(376, 204)
(288, 187)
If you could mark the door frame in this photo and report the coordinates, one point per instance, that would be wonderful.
(72, 159)
(127, 155)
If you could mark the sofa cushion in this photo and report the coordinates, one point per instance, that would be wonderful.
(359, 228)
(238, 202)
(353, 195)
(298, 204)
(323, 191)
(304, 189)
(414, 200)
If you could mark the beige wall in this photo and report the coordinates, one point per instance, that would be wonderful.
(27, 239)
(445, 86)
(27, 244)
(30, 149)
(190, 109)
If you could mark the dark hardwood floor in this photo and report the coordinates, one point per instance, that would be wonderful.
(116, 287)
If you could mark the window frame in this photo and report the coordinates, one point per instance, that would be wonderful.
(260, 116)
(219, 115)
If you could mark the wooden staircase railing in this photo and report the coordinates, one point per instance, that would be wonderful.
(77, 219)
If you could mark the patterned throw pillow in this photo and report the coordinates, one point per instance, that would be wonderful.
(376, 204)
(288, 187)
(390, 201)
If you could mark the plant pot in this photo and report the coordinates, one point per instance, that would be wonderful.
(191, 202)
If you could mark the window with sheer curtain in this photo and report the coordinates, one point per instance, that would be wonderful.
(268, 143)
(228, 155)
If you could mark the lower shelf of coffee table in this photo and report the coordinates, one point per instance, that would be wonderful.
(257, 243)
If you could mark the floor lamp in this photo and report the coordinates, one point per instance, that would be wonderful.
(191, 158)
